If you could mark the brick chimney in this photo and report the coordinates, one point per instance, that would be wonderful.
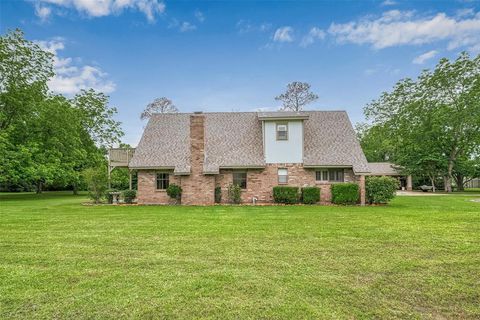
(198, 189)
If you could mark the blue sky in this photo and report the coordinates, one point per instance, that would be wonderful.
(238, 55)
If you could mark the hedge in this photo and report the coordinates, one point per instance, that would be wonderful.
(310, 195)
(345, 193)
(380, 189)
(287, 195)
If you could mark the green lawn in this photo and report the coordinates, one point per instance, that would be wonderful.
(416, 258)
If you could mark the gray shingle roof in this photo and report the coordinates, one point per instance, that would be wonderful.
(234, 139)
(384, 169)
(165, 144)
(330, 140)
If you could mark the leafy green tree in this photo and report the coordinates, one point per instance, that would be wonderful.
(24, 71)
(97, 180)
(466, 170)
(375, 142)
(433, 121)
(46, 138)
(97, 117)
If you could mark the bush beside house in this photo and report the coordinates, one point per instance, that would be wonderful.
(218, 194)
(310, 195)
(129, 196)
(234, 193)
(286, 195)
(345, 193)
(380, 189)
(175, 192)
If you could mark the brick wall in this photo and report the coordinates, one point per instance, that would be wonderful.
(198, 189)
(261, 182)
(147, 188)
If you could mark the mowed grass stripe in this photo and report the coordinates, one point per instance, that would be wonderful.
(419, 257)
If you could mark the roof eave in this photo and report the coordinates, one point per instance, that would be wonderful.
(286, 117)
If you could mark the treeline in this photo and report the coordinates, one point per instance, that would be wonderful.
(47, 139)
(430, 126)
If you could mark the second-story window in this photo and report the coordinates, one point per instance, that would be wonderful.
(282, 131)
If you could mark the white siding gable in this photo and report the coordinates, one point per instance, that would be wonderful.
(283, 151)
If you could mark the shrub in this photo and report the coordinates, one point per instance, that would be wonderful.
(345, 193)
(287, 195)
(218, 194)
(97, 182)
(310, 195)
(234, 193)
(380, 189)
(174, 191)
(129, 195)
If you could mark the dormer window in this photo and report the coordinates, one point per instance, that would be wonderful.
(282, 131)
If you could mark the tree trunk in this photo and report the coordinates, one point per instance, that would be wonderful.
(432, 180)
(39, 187)
(459, 179)
(75, 188)
(448, 178)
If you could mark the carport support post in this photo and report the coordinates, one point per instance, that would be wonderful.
(362, 190)
(130, 179)
(409, 183)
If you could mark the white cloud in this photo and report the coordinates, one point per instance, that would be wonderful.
(465, 12)
(43, 12)
(313, 35)
(100, 8)
(69, 77)
(283, 34)
(395, 28)
(199, 16)
(389, 3)
(244, 26)
(186, 26)
(425, 56)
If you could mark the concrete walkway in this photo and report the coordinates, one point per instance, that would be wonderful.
(419, 193)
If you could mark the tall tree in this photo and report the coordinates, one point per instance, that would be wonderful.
(46, 138)
(297, 96)
(159, 105)
(97, 117)
(436, 117)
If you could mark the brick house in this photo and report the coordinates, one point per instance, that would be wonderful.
(257, 151)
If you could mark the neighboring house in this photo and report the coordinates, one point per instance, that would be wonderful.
(257, 151)
(391, 170)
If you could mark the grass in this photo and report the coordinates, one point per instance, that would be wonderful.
(416, 258)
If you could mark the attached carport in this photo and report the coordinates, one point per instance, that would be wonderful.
(391, 170)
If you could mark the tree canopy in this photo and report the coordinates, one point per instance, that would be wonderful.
(47, 138)
(159, 105)
(430, 124)
(297, 96)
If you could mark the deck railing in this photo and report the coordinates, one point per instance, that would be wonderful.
(120, 157)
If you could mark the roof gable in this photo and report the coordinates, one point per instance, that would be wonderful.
(235, 140)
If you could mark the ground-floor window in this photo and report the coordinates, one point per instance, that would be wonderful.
(240, 179)
(282, 176)
(332, 175)
(162, 180)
